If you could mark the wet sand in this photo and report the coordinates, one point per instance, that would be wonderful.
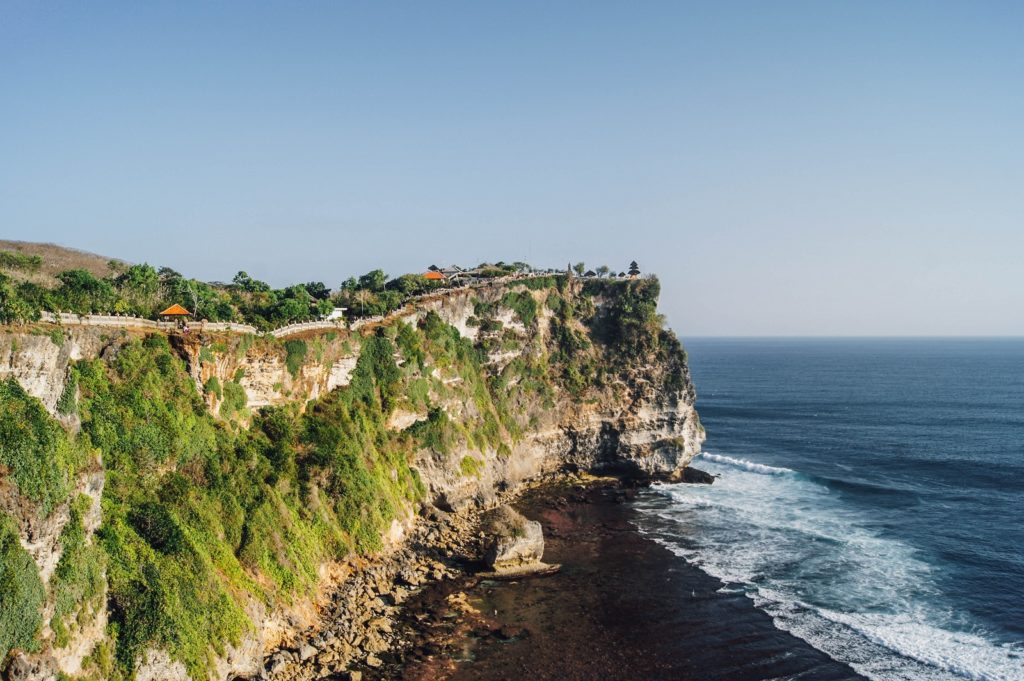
(621, 607)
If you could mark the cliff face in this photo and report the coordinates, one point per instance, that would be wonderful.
(442, 404)
(634, 422)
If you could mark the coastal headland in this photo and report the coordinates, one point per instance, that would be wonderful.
(214, 504)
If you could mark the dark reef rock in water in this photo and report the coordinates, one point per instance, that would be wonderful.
(689, 475)
(697, 476)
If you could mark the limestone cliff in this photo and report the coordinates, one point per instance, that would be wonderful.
(485, 388)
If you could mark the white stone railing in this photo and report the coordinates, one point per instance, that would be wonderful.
(300, 327)
(115, 321)
(366, 321)
(126, 321)
(224, 326)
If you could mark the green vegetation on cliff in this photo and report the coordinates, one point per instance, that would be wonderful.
(77, 583)
(34, 449)
(198, 519)
(21, 592)
(204, 519)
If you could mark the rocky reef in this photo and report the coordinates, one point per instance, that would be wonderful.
(266, 503)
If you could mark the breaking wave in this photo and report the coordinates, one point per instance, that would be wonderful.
(824, 572)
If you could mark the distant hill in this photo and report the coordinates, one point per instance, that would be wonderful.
(55, 259)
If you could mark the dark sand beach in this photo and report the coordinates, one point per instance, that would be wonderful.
(621, 607)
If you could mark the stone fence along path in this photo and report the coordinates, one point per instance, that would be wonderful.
(127, 322)
(302, 327)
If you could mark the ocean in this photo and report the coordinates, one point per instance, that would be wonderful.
(870, 498)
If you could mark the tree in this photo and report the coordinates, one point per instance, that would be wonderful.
(243, 281)
(602, 271)
(13, 307)
(141, 280)
(363, 296)
(579, 268)
(373, 281)
(138, 286)
(408, 284)
(634, 269)
(167, 274)
(190, 288)
(318, 290)
(83, 293)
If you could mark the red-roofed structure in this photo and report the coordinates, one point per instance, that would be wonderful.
(175, 311)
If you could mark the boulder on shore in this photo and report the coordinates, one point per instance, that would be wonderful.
(516, 544)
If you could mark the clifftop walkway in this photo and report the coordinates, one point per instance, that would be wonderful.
(138, 323)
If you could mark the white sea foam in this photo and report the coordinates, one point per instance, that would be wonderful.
(823, 573)
(745, 465)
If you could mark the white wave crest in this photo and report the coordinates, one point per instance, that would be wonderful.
(824, 573)
(746, 465)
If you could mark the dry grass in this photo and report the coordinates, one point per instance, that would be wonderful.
(56, 259)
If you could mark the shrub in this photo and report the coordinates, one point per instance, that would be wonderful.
(523, 304)
(470, 466)
(295, 354)
(34, 448)
(20, 261)
(235, 399)
(538, 283)
(630, 324)
(212, 386)
(436, 432)
(21, 592)
(15, 305)
(77, 582)
(411, 345)
(67, 404)
(490, 325)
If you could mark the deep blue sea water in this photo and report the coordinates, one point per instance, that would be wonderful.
(871, 497)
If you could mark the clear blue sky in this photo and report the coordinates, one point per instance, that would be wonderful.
(786, 167)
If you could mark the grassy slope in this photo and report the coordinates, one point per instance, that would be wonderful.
(56, 259)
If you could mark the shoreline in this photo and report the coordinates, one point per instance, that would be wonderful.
(357, 630)
(622, 605)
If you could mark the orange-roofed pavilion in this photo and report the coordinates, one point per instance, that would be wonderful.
(175, 311)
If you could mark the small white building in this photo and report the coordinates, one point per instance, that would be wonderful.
(337, 313)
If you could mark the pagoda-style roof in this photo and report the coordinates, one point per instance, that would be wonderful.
(175, 311)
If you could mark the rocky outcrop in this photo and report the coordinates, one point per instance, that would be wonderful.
(693, 476)
(516, 545)
(38, 358)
